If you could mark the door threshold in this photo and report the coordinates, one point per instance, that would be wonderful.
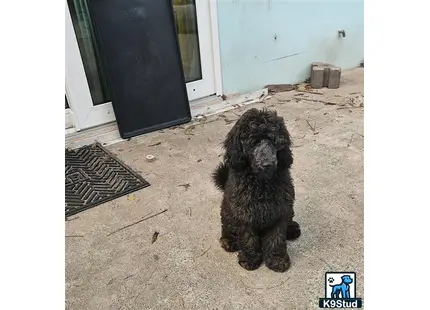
(108, 134)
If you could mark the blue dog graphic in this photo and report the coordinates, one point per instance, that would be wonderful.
(341, 288)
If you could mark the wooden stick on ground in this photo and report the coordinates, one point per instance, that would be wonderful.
(144, 219)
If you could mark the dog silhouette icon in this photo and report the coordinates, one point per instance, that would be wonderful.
(341, 288)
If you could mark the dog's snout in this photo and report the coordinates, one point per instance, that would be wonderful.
(269, 163)
(264, 159)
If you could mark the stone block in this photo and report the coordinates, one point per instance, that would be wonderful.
(334, 78)
(325, 75)
(317, 77)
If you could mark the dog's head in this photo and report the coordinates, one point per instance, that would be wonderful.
(346, 279)
(261, 141)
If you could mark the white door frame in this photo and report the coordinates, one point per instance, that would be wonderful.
(78, 94)
(85, 115)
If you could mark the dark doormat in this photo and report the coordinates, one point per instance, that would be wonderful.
(95, 176)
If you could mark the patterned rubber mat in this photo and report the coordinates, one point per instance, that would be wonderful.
(94, 176)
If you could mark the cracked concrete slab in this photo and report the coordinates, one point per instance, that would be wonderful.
(185, 268)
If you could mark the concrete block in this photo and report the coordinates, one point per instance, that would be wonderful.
(317, 77)
(318, 64)
(325, 75)
(334, 77)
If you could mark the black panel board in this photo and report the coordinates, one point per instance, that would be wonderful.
(140, 51)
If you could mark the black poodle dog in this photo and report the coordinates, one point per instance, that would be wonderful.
(257, 207)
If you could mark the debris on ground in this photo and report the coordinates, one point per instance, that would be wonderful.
(155, 144)
(229, 121)
(355, 99)
(306, 88)
(261, 96)
(189, 130)
(186, 186)
(204, 252)
(176, 127)
(68, 219)
(111, 281)
(131, 197)
(279, 88)
(319, 101)
(350, 141)
(313, 128)
(201, 118)
(155, 236)
(132, 224)
(150, 158)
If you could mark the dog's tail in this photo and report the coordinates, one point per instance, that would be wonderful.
(220, 176)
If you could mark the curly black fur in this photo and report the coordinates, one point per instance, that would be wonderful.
(257, 207)
(220, 176)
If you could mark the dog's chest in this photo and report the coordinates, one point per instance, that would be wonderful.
(260, 207)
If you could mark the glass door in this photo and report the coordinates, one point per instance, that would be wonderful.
(86, 89)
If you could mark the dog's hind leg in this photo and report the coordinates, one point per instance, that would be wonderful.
(293, 230)
(275, 248)
(334, 294)
(250, 256)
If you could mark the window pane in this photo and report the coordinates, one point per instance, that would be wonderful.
(186, 27)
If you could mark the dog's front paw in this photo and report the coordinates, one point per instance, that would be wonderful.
(293, 231)
(228, 245)
(250, 263)
(278, 264)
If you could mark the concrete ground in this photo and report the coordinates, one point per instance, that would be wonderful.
(185, 268)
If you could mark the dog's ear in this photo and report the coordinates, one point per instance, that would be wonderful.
(285, 155)
(285, 158)
(234, 154)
